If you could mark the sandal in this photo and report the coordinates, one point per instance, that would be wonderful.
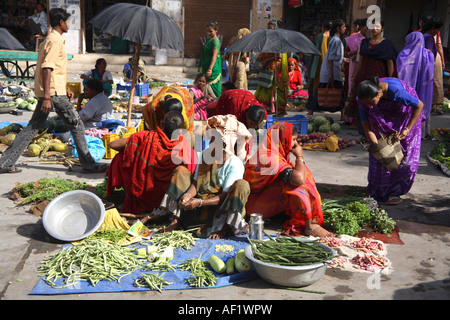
(11, 170)
(97, 169)
(394, 200)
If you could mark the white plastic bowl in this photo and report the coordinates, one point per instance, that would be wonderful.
(73, 215)
(288, 276)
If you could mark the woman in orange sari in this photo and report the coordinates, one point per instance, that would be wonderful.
(145, 163)
(170, 98)
(278, 186)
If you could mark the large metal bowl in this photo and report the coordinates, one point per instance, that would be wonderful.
(73, 215)
(288, 276)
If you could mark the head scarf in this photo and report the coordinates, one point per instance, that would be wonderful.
(296, 63)
(236, 102)
(233, 133)
(271, 158)
(415, 66)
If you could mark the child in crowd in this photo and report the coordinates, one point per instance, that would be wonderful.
(295, 81)
(201, 99)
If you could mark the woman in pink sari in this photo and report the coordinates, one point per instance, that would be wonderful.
(352, 45)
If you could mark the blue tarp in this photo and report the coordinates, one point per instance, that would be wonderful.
(203, 247)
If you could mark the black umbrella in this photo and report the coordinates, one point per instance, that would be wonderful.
(275, 41)
(7, 41)
(141, 25)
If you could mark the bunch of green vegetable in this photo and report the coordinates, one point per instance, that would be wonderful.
(152, 281)
(441, 153)
(91, 260)
(288, 251)
(348, 215)
(114, 235)
(176, 239)
(46, 189)
(200, 275)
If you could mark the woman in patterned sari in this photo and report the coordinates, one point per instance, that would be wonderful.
(279, 186)
(214, 197)
(170, 98)
(390, 105)
(145, 163)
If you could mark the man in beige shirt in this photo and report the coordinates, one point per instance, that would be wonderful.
(51, 89)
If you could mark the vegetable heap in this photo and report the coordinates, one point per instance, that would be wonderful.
(441, 153)
(200, 275)
(152, 281)
(46, 189)
(91, 260)
(347, 216)
(288, 251)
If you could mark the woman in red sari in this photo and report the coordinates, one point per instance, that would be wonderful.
(243, 105)
(145, 163)
(278, 186)
(295, 80)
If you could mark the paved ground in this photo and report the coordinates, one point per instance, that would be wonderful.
(421, 265)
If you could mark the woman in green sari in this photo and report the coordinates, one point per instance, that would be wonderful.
(210, 61)
(266, 96)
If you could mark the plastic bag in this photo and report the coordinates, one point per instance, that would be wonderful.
(96, 148)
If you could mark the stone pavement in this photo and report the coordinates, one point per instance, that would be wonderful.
(421, 265)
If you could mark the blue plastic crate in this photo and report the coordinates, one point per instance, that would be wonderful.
(141, 89)
(299, 121)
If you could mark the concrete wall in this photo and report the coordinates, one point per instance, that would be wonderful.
(265, 10)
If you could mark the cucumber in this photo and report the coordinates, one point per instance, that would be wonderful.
(217, 264)
(230, 266)
(241, 263)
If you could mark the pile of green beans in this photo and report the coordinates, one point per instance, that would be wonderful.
(91, 260)
(176, 239)
(288, 251)
(152, 281)
(200, 275)
(113, 235)
(160, 265)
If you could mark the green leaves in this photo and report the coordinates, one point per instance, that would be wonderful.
(347, 216)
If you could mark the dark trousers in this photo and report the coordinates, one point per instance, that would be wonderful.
(72, 120)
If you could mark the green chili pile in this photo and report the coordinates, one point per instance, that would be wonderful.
(288, 251)
(91, 260)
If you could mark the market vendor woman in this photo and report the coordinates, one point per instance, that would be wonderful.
(389, 105)
(214, 197)
(278, 186)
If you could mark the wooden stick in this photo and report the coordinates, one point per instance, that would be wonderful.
(133, 81)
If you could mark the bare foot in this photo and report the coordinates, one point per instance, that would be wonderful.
(317, 231)
(174, 225)
(219, 234)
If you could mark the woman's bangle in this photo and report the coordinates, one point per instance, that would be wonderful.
(301, 158)
(201, 203)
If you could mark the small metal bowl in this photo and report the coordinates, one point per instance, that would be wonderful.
(295, 276)
(73, 215)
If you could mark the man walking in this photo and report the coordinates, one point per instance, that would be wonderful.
(51, 89)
